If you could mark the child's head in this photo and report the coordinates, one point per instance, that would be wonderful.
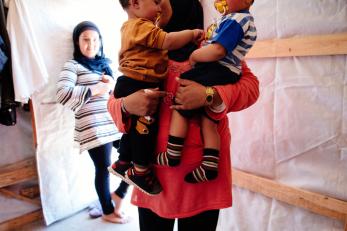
(87, 40)
(148, 9)
(229, 6)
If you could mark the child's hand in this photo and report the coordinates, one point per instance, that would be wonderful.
(199, 36)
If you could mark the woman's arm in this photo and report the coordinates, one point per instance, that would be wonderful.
(68, 93)
(141, 103)
(243, 94)
(236, 97)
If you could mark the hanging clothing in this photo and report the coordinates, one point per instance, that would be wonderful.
(3, 57)
(8, 105)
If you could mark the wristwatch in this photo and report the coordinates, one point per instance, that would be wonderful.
(209, 95)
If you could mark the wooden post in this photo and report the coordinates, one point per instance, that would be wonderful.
(314, 202)
(314, 45)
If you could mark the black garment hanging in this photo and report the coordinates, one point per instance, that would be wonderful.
(8, 105)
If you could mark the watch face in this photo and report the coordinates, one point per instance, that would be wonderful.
(209, 98)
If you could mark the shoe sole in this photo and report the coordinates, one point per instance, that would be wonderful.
(129, 181)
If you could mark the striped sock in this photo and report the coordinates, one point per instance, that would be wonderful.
(208, 170)
(140, 170)
(172, 156)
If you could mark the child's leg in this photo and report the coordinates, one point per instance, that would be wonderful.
(143, 141)
(120, 166)
(208, 170)
(144, 179)
(178, 132)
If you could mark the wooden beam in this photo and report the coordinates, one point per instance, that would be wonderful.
(331, 44)
(30, 192)
(15, 223)
(314, 202)
(14, 195)
(19, 172)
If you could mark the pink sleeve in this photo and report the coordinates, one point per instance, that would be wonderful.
(240, 95)
(114, 107)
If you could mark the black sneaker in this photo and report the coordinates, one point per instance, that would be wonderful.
(147, 183)
(119, 169)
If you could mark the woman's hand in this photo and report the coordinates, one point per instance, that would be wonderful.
(109, 80)
(100, 88)
(192, 95)
(105, 86)
(143, 102)
(189, 95)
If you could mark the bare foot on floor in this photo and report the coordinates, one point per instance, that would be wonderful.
(117, 207)
(117, 204)
(113, 218)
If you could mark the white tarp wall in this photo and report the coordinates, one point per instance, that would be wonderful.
(294, 134)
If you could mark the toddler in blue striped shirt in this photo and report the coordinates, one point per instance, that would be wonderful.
(217, 62)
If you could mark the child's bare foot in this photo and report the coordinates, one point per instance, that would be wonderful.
(113, 218)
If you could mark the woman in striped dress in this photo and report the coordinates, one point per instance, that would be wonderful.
(84, 86)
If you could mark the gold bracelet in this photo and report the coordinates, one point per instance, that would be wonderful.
(209, 96)
(122, 106)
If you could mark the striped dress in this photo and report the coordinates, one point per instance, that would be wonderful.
(93, 123)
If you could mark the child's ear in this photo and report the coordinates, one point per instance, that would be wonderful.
(135, 3)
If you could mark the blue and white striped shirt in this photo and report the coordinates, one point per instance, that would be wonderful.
(236, 32)
(93, 123)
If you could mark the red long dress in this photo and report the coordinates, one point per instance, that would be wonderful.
(178, 198)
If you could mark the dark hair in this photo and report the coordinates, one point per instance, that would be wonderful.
(186, 14)
(124, 3)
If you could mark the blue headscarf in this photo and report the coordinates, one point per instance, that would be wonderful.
(98, 64)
